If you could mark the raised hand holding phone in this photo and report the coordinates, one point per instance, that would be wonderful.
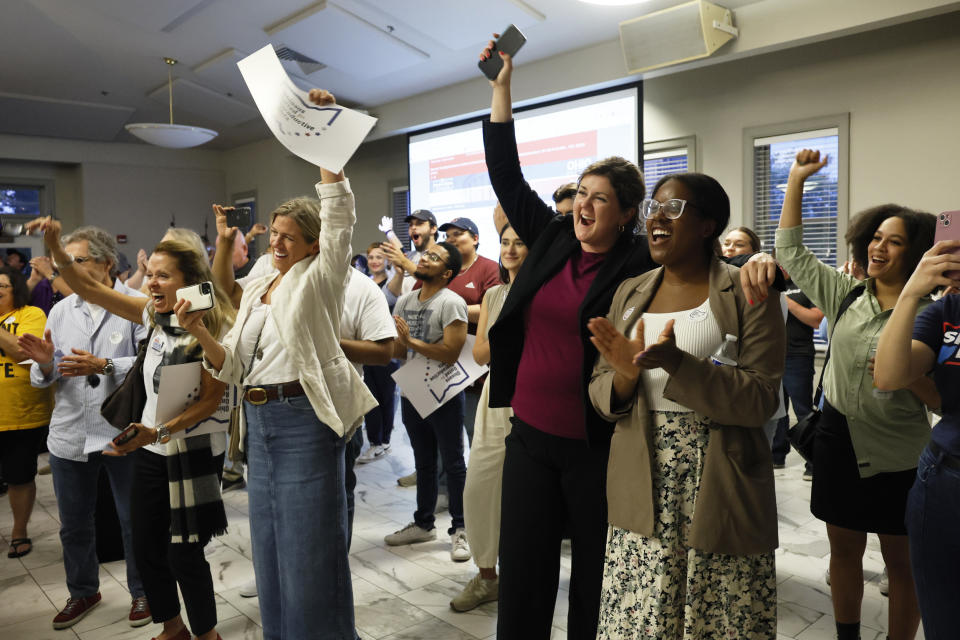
(509, 42)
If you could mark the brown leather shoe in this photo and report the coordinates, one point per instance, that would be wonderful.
(139, 612)
(75, 610)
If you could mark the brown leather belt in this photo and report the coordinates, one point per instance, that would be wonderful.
(262, 395)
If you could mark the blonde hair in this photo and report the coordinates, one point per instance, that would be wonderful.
(305, 211)
(189, 236)
(195, 269)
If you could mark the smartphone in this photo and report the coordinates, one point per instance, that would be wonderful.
(948, 228)
(126, 435)
(239, 217)
(199, 295)
(509, 42)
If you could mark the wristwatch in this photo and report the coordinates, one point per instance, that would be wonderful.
(107, 368)
(53, 276)
(163, 434)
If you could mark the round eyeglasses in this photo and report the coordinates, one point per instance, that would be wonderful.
(672, 208)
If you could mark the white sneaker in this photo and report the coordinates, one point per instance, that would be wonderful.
(369, 455)
(249, 590)
(410, 534)
(477, 591)
(459, 547)
(382, 451)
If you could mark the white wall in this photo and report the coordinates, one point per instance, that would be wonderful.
(128, 189)
(276, 176)
(901, 86)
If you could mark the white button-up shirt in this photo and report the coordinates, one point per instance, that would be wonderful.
(76, 426)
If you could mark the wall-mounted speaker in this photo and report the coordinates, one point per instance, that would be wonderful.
(678, 34)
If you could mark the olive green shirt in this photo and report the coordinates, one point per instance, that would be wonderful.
(889, 431)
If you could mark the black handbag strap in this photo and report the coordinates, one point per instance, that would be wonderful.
(844, 305)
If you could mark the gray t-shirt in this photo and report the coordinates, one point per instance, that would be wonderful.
(428, 319)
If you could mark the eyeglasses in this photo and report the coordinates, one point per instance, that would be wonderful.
(672, 208)
(93, 380)
(433, 257)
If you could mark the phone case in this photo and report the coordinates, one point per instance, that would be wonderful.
(126, 435)
(239, 217)
(199, 301)
(948, 228)
(509, 42)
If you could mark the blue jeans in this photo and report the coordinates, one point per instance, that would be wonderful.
(75, 485)
(440, 431)
(933, 527)
(798, 385)
(353, 448)
(298, 522)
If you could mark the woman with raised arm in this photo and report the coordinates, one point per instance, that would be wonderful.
(910, 347)
(168, 539)
(869, 440)
(555, 464)
(693, 512)
(302, 401)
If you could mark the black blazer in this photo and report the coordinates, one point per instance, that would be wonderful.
(551, 242)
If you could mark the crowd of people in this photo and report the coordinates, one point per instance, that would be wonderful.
(640, 364)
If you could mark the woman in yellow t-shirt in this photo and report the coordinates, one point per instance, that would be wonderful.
(25, 411)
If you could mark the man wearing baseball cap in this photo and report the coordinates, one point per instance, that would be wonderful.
(422, 230)
(476, 276)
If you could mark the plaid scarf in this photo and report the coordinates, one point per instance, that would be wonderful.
(196, 507)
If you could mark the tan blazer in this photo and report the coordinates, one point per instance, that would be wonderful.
(736, 507)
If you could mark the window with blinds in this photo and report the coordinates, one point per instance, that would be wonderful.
(400, 208)
(20, 200)
(657, 164)
(772, 158)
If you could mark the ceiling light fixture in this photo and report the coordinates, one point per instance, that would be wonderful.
(172, 136)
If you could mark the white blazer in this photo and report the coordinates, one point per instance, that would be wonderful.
(307, 308)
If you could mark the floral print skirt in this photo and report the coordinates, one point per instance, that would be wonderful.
(662, 588)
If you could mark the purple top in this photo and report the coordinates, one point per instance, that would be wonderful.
(43, 296)
(548, 392)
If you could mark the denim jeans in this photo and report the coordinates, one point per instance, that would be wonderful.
(75, 485)
(933, 527)
(298, 522)
(440, 431)
(351, 453)
(798, 385)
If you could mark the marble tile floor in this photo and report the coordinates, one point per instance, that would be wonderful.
(399, 592)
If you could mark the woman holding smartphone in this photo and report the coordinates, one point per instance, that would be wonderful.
(868, 440)
(168, 540)
(910, 347)
(302, 401)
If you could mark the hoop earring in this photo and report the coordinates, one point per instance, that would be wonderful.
(621, 228)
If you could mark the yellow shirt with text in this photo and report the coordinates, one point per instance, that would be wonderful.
(21, 405)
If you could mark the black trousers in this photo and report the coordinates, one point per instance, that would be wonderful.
(550, 485)
(164, 565)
